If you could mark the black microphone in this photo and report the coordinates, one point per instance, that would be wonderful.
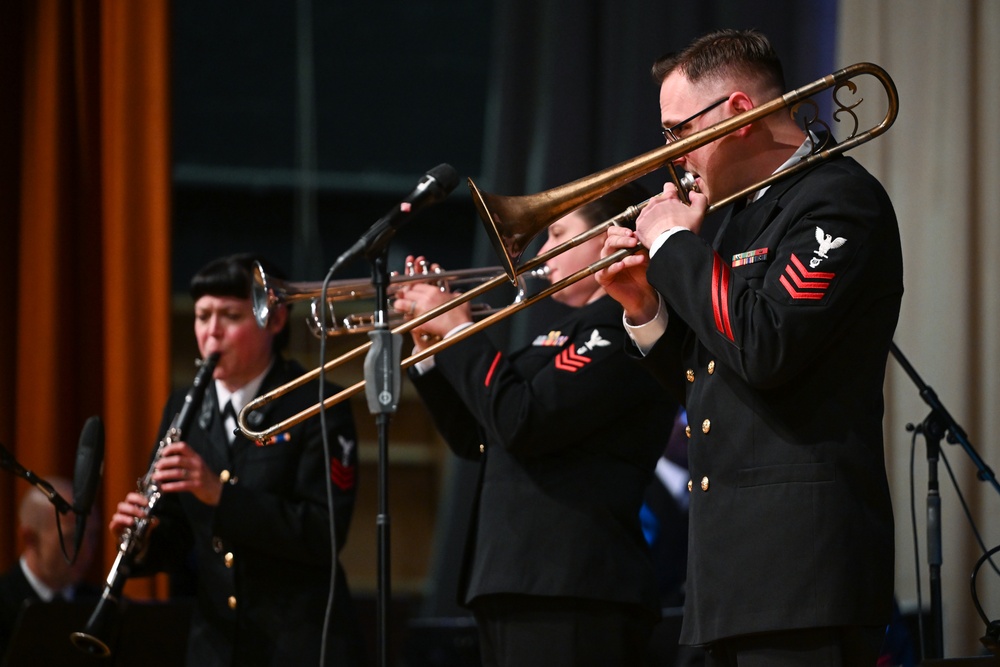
(435, 185)
(87, 475)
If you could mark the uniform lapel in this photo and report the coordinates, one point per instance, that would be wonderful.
(210, 421)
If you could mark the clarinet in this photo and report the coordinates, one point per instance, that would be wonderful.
(95, 637)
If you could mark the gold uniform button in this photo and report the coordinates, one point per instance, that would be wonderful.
(704, 483)
(482, 448)
(228, 559)
(687, 430)
(690, 374)
(706, 426)
(224, 476)
(232, 602)
(690, 485)
(711, 367)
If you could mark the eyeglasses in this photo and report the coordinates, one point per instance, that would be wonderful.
(671, 133)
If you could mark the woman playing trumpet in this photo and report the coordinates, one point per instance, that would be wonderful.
(567, 432)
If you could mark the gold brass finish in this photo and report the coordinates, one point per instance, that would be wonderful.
(512, 222)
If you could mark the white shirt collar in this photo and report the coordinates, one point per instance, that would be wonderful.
(244, 394)
(44, 592)
(801, 152)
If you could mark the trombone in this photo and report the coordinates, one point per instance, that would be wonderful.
(512, 222)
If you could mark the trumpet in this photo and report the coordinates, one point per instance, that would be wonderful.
(94, 638)
(512, 222)
(268, 292)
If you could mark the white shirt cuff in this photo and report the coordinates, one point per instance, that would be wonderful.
(662, 238)
(646, 335)
(426, 365)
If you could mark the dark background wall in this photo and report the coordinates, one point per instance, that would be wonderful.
(298, 123)
(396, 88)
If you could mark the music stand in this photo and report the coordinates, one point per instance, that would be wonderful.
(150, 634)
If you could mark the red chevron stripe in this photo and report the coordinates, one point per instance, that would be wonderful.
(567, 360)
(802, 284)
(795, 294)
(341, 475)
(811, 275)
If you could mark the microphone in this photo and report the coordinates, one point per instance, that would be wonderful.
(435, 185)
(87, 475)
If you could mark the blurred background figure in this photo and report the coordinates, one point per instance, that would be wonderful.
(43, 573)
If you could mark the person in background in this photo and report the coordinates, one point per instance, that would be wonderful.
(44, 572)
(775, 337)
(252, 521)
(567, 431)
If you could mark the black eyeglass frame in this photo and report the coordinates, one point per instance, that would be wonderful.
(670, 133)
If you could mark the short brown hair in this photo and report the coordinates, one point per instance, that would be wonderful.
(725, 53)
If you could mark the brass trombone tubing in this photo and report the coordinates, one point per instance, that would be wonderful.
(499, 279)
(561, 200)
(596, 185)
(264, 435)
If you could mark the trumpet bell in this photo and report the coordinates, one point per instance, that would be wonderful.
(262, 293)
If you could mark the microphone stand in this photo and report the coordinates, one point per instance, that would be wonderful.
(8, 461)
(382, 387)
(62, 506)
(938, 423)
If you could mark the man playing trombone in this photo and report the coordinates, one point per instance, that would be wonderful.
(776, 338)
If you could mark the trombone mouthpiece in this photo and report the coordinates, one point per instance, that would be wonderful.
(689, 183)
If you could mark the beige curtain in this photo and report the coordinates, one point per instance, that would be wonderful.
(941, 165)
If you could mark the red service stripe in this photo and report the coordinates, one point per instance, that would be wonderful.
(493, 367)
(716, 270)
(720, 297)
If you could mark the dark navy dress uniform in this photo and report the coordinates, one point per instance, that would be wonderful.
(567, 432)
(777, 341)
(261, 559)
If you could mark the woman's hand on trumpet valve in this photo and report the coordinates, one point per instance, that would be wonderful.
(416, 299)
(625, 280)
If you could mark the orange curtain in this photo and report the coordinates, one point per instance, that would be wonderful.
(87, 248)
